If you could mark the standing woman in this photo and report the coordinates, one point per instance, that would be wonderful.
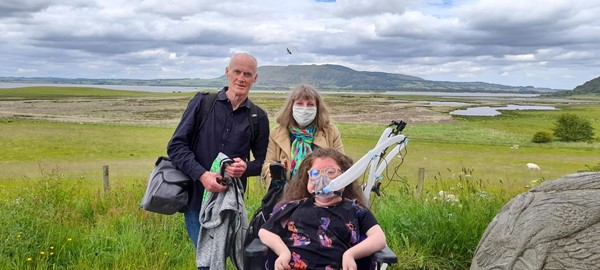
(303, 125)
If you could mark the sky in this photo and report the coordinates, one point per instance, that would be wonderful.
(541, 43)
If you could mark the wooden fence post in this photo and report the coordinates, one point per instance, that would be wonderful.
(421, 181)
(105, 180)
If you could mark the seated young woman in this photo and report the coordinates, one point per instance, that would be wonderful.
(322, 231)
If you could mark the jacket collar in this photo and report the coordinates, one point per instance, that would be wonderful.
(221, 96)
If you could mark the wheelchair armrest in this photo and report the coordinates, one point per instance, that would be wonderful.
(386, 255)
(256, 249)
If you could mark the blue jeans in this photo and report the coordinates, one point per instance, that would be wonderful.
(192, 224)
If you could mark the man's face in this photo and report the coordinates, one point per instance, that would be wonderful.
(242, 74)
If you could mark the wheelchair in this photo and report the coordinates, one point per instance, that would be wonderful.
(376, 160)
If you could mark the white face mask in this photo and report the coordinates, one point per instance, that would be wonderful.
(304, 115)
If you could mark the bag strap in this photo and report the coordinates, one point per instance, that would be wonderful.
(202, 111)
(253, 121)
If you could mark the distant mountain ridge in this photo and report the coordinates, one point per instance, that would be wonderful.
(338, 77)
(330, 77)
(591, 87)
(323, 77)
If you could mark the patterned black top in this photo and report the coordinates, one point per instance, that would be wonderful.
(318, 236)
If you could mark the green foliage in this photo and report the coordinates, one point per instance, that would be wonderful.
(594, 168)
(542, 137)
(54, 223)
(571, 128)
(439, 228)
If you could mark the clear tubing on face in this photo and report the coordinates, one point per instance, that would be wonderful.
(359, 167)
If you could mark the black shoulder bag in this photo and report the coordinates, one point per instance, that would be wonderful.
(167, 190)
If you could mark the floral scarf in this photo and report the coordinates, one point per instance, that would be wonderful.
(301, 145)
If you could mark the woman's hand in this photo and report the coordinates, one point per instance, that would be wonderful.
(276, 244)
(268, 174)
(348, 261)
(285, 164)
(283, 261)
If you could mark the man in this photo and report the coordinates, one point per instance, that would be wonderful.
(226, 129)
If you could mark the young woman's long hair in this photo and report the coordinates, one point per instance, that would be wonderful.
(303, 91)
(296, 188)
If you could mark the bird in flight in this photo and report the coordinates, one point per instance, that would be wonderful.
(288, 51)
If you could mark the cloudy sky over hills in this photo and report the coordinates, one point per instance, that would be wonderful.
(543, 43)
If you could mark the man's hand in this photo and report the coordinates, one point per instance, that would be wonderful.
(237, 168)
(209, 181)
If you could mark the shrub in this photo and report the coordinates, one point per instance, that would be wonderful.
(572, 128)
(542, 137)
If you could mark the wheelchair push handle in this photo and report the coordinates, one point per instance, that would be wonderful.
(278, 174)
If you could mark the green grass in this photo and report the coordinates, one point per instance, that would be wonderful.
(430, 233)
(55, 214)
(32, 140)
(53, 223)
(54, 92)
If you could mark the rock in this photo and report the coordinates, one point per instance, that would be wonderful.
(555, 225)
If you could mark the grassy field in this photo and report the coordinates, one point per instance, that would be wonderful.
(57, 216)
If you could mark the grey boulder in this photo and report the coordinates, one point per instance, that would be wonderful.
(552, 226)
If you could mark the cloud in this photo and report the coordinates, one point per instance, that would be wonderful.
(363, 8)
(17, 7)
(22, 70)
(554, 43)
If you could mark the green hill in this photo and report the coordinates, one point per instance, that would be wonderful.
(330, 77)
(336, 77)
(591, 87)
